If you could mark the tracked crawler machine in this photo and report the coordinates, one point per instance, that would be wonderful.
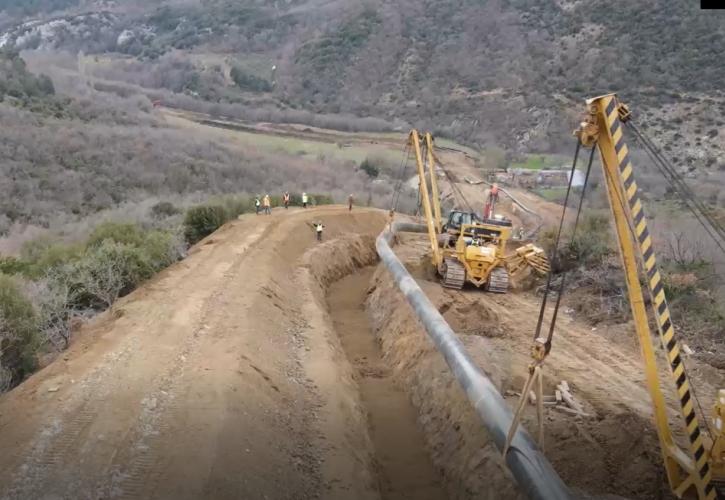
(468, 248)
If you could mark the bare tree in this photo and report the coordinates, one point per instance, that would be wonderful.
(105, 272)
(684, 249)
(53, 300)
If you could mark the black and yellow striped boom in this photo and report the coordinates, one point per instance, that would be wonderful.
(687, 471)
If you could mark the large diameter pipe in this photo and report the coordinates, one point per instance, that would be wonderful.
(535, 476)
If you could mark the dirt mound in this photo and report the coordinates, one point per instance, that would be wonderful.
(470, 315)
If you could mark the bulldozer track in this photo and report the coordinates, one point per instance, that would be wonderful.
(454, 274)
(498, 281)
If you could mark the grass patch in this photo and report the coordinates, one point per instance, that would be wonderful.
(554, 194)
(540, 162)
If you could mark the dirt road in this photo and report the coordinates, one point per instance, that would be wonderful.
(200, 384)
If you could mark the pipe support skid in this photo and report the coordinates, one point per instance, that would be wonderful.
(535, 476)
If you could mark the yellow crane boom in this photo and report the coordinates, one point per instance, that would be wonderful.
(692, 470)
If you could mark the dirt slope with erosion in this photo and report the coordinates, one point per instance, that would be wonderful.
(216, 379)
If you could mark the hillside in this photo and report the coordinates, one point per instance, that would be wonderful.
(505, 72)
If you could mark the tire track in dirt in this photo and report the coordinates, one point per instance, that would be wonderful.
(135, 470)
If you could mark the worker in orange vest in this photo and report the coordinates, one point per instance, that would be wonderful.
(490, 207)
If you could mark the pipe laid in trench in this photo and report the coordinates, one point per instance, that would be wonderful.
(534, 475)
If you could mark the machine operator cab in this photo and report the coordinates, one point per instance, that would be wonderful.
(476, 231)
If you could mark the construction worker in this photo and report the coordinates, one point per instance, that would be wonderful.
(267, 205)
(318, 229)
(285, 199)
(489, 208)
(350, 200)
(256, 204)
(304, 200)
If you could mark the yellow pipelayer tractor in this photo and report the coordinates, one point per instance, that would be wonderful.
(694, 460)
(469, 248)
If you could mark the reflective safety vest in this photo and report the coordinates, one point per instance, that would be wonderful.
(318, 227)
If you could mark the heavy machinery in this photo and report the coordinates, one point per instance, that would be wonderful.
(468, 248)
(694, 470)
(690, 471)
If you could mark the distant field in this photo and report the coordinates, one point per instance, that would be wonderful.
(554, 194)
(540, 162)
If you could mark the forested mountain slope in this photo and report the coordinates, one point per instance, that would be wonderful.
(507, 71)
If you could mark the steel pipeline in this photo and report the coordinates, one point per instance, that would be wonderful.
(535, 476)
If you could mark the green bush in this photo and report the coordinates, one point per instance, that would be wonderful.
(18, 331)
(591, 245)
(12, 265)
(40, 255)
(108, 271)
(593, 241)
(202, 220)
(119, 232)
(235, 206)
(246, 81)
(370, 168)
(321, 199)
(160, 249)
(164, 209)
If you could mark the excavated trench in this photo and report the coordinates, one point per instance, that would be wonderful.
(401, 461)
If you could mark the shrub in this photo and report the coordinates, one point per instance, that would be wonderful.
(119, 232)
(110, 270)
(12, 265)
(202, 220)
(321, 199)
(246, 81)
(18, 338)
(164, 209)
(42, 254)
(161, 249)
(589, 248)
(234, 206)
(52, 300)
(369, 168)
(592, 242)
